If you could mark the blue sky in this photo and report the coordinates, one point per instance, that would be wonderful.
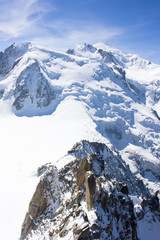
(131, 25)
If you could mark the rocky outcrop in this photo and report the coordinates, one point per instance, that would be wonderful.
(109, 163)
(71, 51)
(84, 166)
(80, 201)
(81, 231)
(90, 188)
(11, 56)
(32, 89)
(87, 199)
(108, 57)
(88, 47)
(44, 203)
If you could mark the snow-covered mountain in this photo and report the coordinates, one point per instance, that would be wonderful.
(103, 102)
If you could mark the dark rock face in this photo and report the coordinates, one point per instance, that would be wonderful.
(32, 89)
(11, 57)
(108, 57)
(71, 51)
(1, 93)
(81, 231)
(154, 202)
(120, 71)
(89, 47)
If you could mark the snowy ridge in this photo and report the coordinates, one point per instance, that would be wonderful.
(51, 100)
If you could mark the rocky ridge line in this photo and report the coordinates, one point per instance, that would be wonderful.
(82, 201)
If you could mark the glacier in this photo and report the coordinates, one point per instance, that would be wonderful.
(51, 100)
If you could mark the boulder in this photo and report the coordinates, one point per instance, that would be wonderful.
(81, 231)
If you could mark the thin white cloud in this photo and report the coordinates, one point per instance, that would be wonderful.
(78, 30)
(94, 34)
(74, 37)
(27, 21)
(69, 34)
(18, 17)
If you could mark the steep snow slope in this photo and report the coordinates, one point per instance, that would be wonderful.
(50, 100)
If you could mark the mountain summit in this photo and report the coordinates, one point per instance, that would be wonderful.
(93, 110)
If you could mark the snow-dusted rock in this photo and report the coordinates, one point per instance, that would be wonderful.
(11, 56)
(32, 89)
(44, 203)
(93, 205)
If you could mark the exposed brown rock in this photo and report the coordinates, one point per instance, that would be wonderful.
(84, 166)
(90, 188)
(39, 202)
(37, 206)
